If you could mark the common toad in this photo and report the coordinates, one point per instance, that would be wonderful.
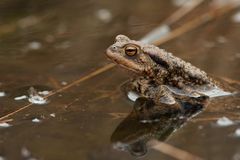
(164, 78)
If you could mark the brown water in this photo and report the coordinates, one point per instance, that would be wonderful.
(46, 43)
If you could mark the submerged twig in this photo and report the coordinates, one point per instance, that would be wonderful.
(172, 151)
(213, 13)
(213, 119)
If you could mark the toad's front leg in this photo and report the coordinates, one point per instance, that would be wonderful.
(143, 87)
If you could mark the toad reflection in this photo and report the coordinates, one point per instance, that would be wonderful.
(140, 126)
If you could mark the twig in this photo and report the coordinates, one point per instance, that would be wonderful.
(118, 115)
(14, 112)
(187, 7)
(97, 72)
(71, 103)
(203, 19)
(172, 151)
(164, 28)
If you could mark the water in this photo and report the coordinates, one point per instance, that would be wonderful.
(43, 44)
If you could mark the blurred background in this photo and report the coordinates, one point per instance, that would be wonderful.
(49, 44)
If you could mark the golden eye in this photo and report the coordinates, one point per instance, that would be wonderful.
(131, 50)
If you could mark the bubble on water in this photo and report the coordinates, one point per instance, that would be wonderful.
(2, 94)
(224, 121)
(2, 158)
(44, 92)
(104, 15)
(20, 97)
(133, 96)
(53, 115)
(237, 132)
(236, 17)
(25, 152)
(64, 83)
(34, 45)
(4, 125)
(36, 120)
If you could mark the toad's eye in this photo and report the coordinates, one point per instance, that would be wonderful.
(131, 50)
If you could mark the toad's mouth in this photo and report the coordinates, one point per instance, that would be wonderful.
(124, 62)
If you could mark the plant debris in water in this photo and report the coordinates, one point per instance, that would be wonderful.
(20, 98)
(237, 132)
(35, 97)
(2, 94)
(224, 121)
(53, 115)
(36, 120)
(4, 125)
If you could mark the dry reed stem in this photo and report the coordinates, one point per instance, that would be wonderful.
(203, 19)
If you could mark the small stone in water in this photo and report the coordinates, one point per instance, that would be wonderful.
(4, 125)
(34, 45)
(36, 120)
(2, 94)
(43, 92)
(237, 132)
(53, 115)
(224, 121)
(20, 97)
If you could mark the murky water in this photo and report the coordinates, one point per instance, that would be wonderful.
(50, 44)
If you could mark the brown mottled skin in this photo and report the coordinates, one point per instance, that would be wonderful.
(157, 68)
